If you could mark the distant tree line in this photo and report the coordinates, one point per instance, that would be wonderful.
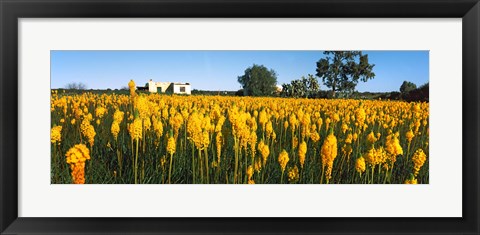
(76, 86)
(220, 93)
(413, 93)
(340, 71)
(408, 92)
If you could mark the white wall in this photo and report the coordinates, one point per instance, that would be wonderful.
(188, 89)
(151, 86)
(163, 85)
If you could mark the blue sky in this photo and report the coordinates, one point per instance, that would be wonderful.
(218, 70)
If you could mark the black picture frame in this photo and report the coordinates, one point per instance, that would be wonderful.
(11, 11)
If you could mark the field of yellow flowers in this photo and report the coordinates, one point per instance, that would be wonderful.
(168, 139)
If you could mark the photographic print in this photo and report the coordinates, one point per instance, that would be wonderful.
(239, 117)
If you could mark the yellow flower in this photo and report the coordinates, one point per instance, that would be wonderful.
(371, 138)
(163, 160)
(320, 123)
(56, 134)
(205, 140)
(258, 164)
(176, 122)
(360, 165)
(115, 129)
(135, 129)
(411, 181)
(262, 118)
(76, 157)
(327, 123)
(252, 142)
(336, 117)
(131, 86)
(88, 130)
(314, 136)
(77, 154)
(283, 159)
(294, 142)
(171, 145)
(328, 154)
(248, 126)
(293, 174)
(142, 107)
(264, 151)
(249, 172)
(269, 129)
(393, 147)
(360, 116)
(380, 156)
(218, 143)
(369, 157)
(157, 127)
(194, 129)
(293, 122)
(100, 112)
(349, 138)
(418, 160)
(302, 151)
(375, 156)
(409, 136)
(147, 124)
(218, 127)
(118, 116)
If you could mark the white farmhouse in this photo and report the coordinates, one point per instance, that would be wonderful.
(169, 87)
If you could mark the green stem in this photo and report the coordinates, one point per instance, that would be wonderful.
(386, 175)
(170, 169)
(281, 179)
(379, 172)
(206, 164)
(373, 171)
(321, 177)
(201, 165)
(119, 158)
(353, 177)
(246, 166)
(136, 162)
(193, 165)
(236, 162)
(131, 141)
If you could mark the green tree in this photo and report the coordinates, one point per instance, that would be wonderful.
(304, 87)
(287, 90)
(76, 86)
(406, 87)
(313, 86)
(258, 81)
(299, 87)
(341, 70)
